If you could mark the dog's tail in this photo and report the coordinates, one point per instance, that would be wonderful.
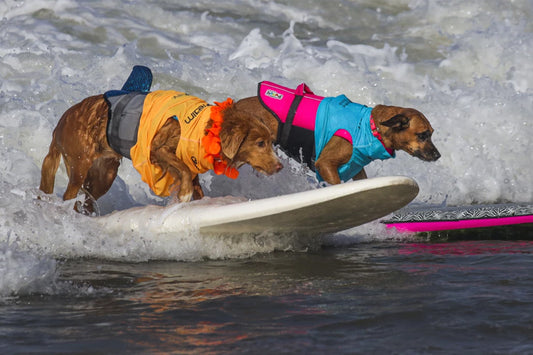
(49, 168)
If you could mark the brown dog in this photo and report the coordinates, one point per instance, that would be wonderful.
(390, 128)
(223, 139)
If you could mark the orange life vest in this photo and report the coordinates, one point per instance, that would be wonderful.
(198, 147)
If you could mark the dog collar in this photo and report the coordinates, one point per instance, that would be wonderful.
(376, 134)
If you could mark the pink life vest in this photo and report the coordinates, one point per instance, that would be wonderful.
(295, 110)
(281, 100)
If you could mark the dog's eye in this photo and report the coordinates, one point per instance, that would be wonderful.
(424, 136)
(260, 144)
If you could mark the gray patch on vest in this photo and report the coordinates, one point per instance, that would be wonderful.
(124, 116)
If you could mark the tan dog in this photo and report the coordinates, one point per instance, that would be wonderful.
(394, 128)
(171, 157)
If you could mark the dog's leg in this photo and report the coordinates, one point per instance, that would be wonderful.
(78, 161)
(76, 176)
(166, 158)
(198, 193)
(163, 153)
(49, 168)
(99, 179)
(336, 152)
(360, 175)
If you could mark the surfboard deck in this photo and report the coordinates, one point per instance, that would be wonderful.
(325, 210)
(486, 221)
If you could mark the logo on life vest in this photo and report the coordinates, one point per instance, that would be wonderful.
(274, 94)
(195, 162)
(195, 113)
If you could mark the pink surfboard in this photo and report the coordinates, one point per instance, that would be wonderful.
(454, 218)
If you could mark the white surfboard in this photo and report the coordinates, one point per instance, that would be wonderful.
(324, 210)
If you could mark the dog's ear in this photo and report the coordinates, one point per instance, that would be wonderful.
(397, 123)
(232, 141)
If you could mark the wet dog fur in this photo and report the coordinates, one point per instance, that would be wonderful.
(92, 165)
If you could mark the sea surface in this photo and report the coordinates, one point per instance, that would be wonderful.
(71, 285)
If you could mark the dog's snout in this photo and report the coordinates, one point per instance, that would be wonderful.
(279, 166)
(431, 155)
(427, 154)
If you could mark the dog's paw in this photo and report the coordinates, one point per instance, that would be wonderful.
(185, 197)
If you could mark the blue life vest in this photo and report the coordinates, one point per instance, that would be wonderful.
(339, 112)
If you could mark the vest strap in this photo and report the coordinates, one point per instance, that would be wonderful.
(284, 132)
(295, 111)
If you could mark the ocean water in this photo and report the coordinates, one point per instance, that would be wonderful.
(68, 284)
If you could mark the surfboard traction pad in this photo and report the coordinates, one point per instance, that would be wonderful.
(430, 214)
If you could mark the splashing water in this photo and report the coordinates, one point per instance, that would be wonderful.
(466, 65)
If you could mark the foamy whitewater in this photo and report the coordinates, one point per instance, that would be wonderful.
(466, 64)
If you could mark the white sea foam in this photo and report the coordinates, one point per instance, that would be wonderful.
(22, 272)
(467, 65)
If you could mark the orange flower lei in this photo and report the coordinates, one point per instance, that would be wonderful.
(212, 144)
